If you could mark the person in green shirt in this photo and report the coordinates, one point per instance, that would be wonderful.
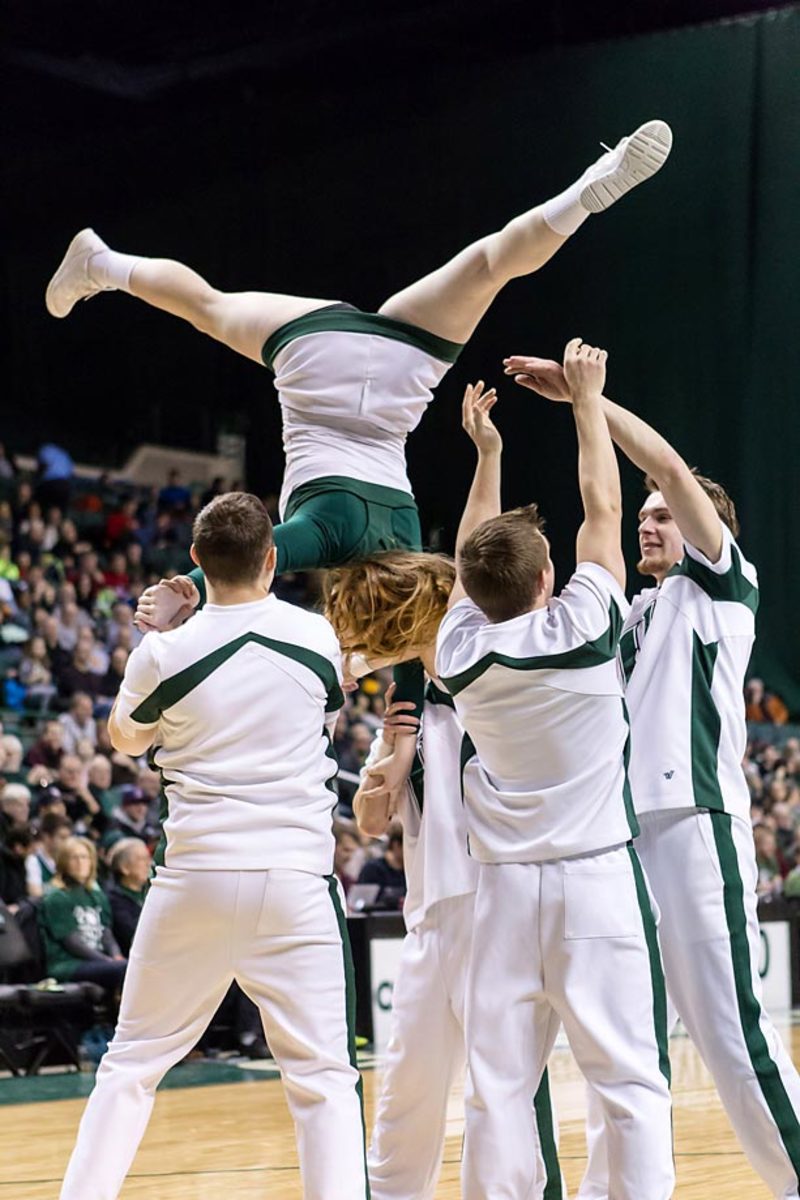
(75, 922)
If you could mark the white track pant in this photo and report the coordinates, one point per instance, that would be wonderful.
(575, 941)
(702, 871)
(426, 1055)
(281, 935)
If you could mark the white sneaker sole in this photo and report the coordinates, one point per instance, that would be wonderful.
(70, 282)
(646, 152)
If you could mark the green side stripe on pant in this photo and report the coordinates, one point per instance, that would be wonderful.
(767, 1073)
(544, 1121)
(656, 970)
(350, 999)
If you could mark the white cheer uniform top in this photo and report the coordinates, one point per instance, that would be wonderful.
(541, 700)
(242, 699)
(684, 653)
(435, 853)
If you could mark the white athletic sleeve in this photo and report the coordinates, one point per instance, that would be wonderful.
(455, 641)
(723, 563)
(139, 683)
(590, 604)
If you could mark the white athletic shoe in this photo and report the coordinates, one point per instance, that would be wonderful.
(72, 281)
(632, 160)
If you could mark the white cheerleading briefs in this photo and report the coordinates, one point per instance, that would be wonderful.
(426, 1051)
(242, 701)
(282, 936)
(352, 386)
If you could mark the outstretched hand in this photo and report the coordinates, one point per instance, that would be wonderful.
(540, 375)
(475, 418)
(584, 369)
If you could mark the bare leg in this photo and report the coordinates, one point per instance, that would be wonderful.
(451, 301)
(242, 320)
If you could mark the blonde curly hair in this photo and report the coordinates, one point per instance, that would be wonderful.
(384, 606)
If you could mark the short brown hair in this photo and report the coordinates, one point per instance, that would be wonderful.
(232, 535)
(722, 502)
(501, 562)
(382, 606)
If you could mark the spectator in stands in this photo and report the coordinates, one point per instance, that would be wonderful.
(149, 782)
(13, 853)
(71, 620)
(770, 880)
(121, 525)
(98, 777)
(48, 799)
(15, 807)
(48, 750)
(354, 753)
(387, 871)
(131, 865)
(11, 752)
(217, 489)
(174, 497)
(75, 921)
(83, 673)
(8, 568)
(348, 854)
(112, 679)
(7, 467)
(785, 832)
(40, 865)
(131, 818)
(763, 706)
(55, 476)
(121, 627)
(34, 671)
(83, 809)
(116, 575)
(78, 722)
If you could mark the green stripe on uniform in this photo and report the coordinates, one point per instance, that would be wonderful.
(705, 727)
(342, 320)
(174, 689)
(767, 1072)
(732, 585)
(627, 798)
(656, 970)
(588, 654)
(350, 1008)
(553, 1188)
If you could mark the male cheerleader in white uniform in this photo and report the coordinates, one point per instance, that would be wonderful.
(562, 913)
(426, 1052)
(684, 651)
(238, 706)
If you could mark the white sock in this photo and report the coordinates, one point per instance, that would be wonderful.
(565, 213)
(110, 269)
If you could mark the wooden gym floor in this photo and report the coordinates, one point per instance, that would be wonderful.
(235, 1138)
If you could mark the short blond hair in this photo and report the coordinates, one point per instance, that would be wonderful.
(63, 879)
(386, 605)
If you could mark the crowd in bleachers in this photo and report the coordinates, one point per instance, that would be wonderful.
(74, 557)
(79, 820)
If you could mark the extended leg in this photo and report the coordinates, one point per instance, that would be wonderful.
(297, 967)
(177, 975)
(241, 320)
(451, 301)
(711, 946)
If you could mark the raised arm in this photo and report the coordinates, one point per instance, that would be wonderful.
(599, 537)
(692, 509)
(483, 501)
